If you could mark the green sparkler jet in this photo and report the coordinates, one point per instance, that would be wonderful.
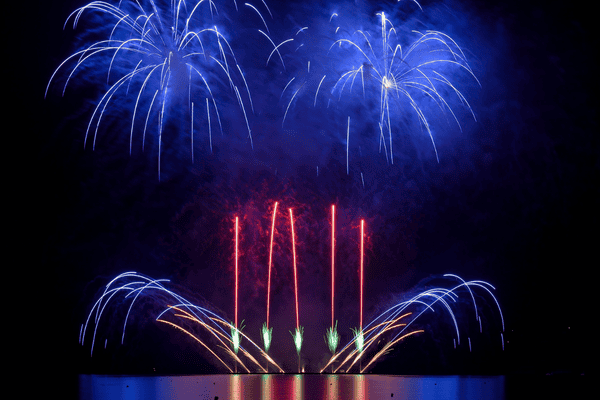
(332, 338)
(359, 339)
(236, 339)
(267, 335)
(298, 337)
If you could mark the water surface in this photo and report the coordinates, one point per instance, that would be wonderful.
(292, 387)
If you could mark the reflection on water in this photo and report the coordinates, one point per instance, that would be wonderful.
(360, 387)
(296, 387)
(266, 386)
(236, 387)
(332, 387)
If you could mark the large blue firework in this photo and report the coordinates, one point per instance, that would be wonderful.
(157, 60)
(399, 79)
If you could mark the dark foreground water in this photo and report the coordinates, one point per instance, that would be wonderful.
(333, 387)
(292, 387)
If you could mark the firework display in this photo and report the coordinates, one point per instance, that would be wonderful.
(394, 324)
(355, 190)
(174, 70)
(177, 311)
(166, 62)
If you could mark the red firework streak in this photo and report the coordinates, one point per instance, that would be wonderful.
(332, 262)
(270, 262)
(295, 274)
(236, 269)
(362, 248)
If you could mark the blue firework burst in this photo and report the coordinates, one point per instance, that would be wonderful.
(159, 60)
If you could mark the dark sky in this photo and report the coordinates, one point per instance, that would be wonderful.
(512, 200)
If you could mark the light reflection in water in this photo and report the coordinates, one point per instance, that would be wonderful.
(360, 387)
(333, 391)
(293, 387)
(235, 387)
(298, 384)
(266, 387)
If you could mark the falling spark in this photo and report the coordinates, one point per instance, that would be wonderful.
(198, 340)
(387, 348)
(209, 127)
(347, 147)
(259, 14)
(378, 329)
(290, 103)
(427, 300)
(317, 92)
(192, 133)
(134, 285)
(276, 48)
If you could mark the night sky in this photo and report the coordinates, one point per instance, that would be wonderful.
(512, 200)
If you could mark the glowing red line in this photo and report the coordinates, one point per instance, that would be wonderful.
(270, 262)
(362, 237)
(236, 270)
(332, 261)
(295, 274)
